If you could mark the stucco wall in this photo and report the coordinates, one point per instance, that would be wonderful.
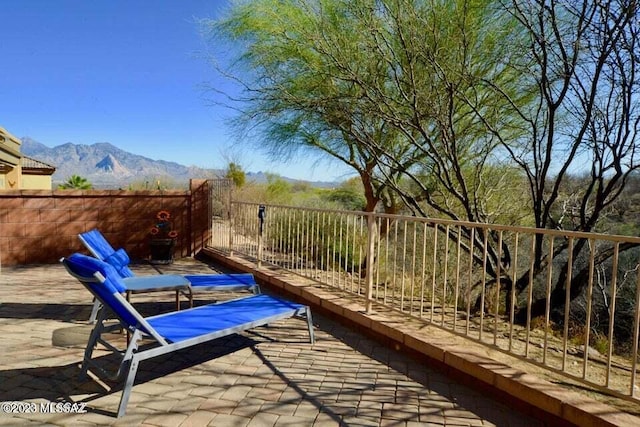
(36, 182)
(11, 179)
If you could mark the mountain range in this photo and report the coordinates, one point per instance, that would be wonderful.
(107, 166)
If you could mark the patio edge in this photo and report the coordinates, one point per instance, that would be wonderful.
(549, 402)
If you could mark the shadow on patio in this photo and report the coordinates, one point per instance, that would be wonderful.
(269, 376)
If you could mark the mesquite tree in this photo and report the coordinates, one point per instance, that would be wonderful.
(445, 106)
(583, 58)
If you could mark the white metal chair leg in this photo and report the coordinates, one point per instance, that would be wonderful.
(128, 385)
(97, 305)
(93, 340)
(312, 338)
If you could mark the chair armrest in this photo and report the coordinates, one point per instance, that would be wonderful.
(160, 282)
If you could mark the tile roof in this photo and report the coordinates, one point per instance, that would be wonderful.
(30, 163)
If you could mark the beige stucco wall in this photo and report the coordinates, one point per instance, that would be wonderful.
(14, 180)
(9, 147)
(11, 180)
(36, 182)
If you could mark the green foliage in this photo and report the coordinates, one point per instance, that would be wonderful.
(346, 199)
(349, 196)
(427, 100)
(76, 182)
(278, 190)
(236, 174)
(395, 89)
(338, 240)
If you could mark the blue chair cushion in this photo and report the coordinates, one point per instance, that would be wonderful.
(85, 267)
(182, 325)
(118, 259)
(103, 250)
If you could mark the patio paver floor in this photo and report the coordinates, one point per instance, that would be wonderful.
(266, 377)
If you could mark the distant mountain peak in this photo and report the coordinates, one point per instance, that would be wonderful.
(110, 164)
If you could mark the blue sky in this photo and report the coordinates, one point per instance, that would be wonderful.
(131, 73)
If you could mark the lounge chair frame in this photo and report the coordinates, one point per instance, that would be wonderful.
(142, 328)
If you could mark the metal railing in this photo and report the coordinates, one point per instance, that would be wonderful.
(567, 301)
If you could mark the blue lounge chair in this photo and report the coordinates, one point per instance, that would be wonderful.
(99, 247)
(167, 332)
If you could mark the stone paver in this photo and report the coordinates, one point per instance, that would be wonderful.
(270, 376)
